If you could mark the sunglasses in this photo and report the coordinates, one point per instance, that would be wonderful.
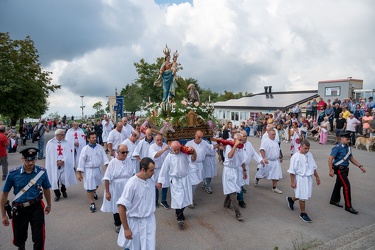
(134, 134)
(124, 152)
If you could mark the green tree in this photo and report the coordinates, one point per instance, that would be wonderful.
(97, 106)
(55, 115)
(24, 85)
(132, 97)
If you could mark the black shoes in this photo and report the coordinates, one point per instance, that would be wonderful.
(57, 198)
(95, 196)
(351, 210)
(242, 204)
(65, 195)
(165, 205)
(335, 203)
(290, 203)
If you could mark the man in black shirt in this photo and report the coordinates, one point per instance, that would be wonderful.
(98, 127)
(340, 127)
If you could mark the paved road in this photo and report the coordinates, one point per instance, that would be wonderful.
(268, 222)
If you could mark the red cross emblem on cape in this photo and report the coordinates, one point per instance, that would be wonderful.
(59, 149)
(76, 135)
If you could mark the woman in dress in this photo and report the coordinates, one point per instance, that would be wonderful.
(324, 127)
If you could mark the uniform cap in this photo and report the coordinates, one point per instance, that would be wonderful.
(29, 153)
(345, 134)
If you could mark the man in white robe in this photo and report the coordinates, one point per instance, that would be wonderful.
(90, 164)
(302, 168)
(77, 140)
(141, 150)
(60, 164)
(202, 148)
(270, 152)
(114, 140)
(107, 128)
(115, 177)
(127, 129)
(248, 153)
(176, 165)
(157, 152)
(233, 164)
(131, 143)
(137, 210)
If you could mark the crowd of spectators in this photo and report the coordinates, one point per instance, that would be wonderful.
(320, 118)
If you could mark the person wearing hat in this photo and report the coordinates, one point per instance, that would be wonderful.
(28, 206)
(338, 163)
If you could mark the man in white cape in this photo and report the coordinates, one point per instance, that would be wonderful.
(77, 140)
(60, 164)
(131, 142)
(114, 140)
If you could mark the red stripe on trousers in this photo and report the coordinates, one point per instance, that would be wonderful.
(346, 189)
(44, 225)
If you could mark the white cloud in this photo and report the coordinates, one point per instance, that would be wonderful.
(235, 45)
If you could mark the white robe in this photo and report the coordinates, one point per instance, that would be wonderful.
(141, 150)
(115, 138)
(126, 131)
(176, 166)
(66, 173)
(249, 152)
(272, 170)
(152, 151)
(303, 167)
(231, 171)
(117, 173)
(90, 164)
(196, 167)
(131, 148)
(106, 130)
(73, 136)
(139, 199)
(210, 164)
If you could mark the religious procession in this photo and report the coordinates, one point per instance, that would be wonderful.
(177, 157)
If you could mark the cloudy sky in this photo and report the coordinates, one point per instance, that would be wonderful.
(235, 45)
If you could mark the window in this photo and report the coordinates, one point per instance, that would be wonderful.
(235, 116)
(333, 91)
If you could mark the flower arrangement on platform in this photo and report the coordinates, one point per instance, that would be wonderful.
(176, 113)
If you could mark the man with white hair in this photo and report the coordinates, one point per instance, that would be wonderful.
(77, 140)
(60, 164)
(233, 164)
(141, 150)
(114, 140)
(131, 142)
(176, 166)
(107, 128)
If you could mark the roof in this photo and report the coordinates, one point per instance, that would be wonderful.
(275, 100)
(341, 80)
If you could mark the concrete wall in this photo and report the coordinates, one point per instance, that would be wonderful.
(338, 89)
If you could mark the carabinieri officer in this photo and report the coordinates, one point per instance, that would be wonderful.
(338, 163)
(28, 182)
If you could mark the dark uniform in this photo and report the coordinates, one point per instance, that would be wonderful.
(342, 171)
(29, 207)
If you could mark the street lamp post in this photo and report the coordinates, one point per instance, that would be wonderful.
(82, 107)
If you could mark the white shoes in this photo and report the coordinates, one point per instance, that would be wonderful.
(276, 190)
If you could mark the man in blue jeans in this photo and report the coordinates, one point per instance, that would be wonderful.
(43, 128)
